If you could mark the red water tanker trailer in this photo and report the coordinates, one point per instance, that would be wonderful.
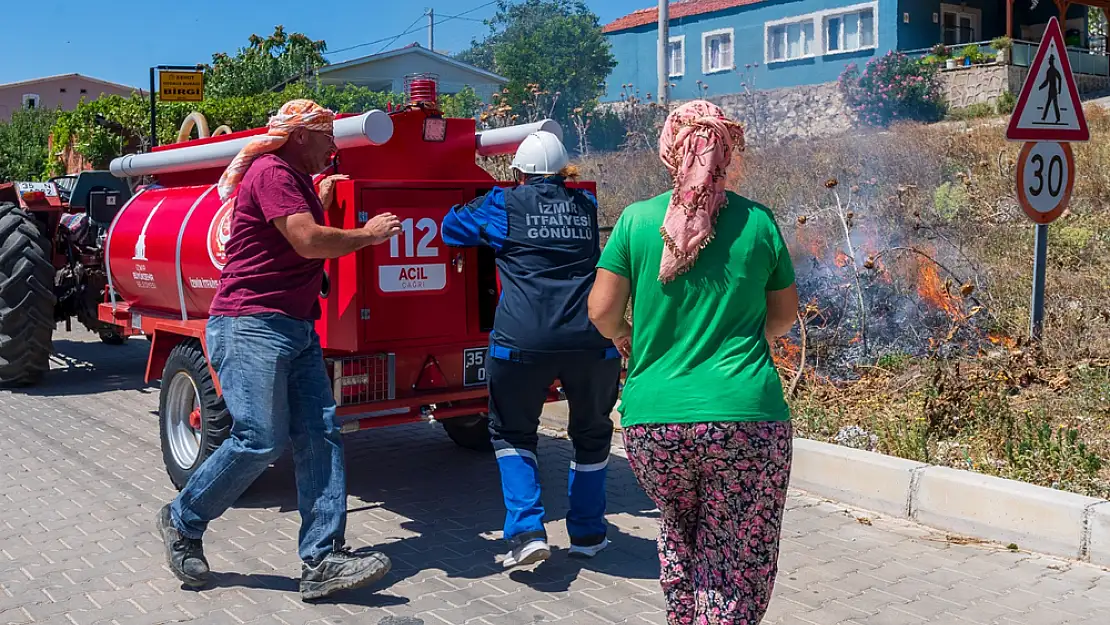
(404, 325)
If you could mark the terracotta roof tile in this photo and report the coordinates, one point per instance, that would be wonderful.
(644, 17)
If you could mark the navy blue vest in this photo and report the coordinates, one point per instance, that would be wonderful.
(547, 264)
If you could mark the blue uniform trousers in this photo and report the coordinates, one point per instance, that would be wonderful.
(518, 386)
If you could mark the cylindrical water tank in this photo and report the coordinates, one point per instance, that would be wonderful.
(166, 248)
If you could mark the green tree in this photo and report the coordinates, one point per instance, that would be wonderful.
(556, 45)
(263, 65)
(23, 144)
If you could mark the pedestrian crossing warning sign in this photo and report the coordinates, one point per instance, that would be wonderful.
(1048, 108)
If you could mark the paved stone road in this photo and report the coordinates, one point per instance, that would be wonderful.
(81, 478)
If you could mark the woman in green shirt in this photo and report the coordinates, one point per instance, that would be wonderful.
(706, 426)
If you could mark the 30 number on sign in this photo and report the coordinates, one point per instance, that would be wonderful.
(424, 249)
(1045, 178)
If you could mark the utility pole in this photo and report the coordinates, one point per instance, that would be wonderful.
(432, 30)
(664, 40)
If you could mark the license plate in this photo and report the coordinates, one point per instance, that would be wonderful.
(474, 367)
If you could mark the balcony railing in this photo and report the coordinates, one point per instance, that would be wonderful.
(1023, 52)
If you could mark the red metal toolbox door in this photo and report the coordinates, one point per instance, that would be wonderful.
(419, 284)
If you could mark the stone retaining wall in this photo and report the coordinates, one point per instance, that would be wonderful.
(776, 115)
(985, 84)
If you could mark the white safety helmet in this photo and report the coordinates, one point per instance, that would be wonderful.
(541, 153)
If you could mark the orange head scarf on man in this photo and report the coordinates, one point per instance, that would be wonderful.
(292, 115)
(696, 146)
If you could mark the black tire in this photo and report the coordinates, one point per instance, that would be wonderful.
(26, 299)
(111, 336)
(185, 364)
(469, 432)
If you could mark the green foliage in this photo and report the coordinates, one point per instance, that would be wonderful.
(556, 45)
(264, 65)
(1069, 244)
(971, 51)
(607, 131)
(894, 361)
(893, 88)
(126, 121)
(1037, 451)
(1002, 43)
(1007, 102)
(949, 199)
(23, 144)
(465, 103)
(975, 111)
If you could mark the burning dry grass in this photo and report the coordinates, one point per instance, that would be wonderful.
(915, 265)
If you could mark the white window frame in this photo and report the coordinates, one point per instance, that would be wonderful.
(28, 97)
(820, 28)
(976, 16)
(841, 13)
(680, 71)
(801, 19)
(705, 37)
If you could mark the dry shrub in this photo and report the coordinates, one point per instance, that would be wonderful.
(624, 178)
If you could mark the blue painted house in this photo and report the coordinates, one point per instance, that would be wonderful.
(718, 44)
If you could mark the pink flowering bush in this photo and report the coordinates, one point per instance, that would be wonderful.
(893, 88)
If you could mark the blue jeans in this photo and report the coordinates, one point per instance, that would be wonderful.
(272, 374)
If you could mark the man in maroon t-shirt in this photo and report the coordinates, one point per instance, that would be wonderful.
(264, 348)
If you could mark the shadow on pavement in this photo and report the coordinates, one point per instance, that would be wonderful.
(82, 368)
(367, 597)
(425, 502)
(442, 508)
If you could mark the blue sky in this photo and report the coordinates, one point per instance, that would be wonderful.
(120, 44)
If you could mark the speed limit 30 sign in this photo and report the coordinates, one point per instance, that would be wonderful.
(1045, 178)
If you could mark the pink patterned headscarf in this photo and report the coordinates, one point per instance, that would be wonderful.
(292, 115)
(696, 146)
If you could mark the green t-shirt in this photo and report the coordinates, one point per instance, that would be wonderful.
(699, 352)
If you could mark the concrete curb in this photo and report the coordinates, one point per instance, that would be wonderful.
(980, 506)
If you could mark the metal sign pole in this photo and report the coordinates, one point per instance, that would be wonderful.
(153, 113)
(153, 97)
(1040, 259)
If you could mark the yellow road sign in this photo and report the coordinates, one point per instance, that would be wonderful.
(181, 86)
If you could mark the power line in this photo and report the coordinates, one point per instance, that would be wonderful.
(409, 30)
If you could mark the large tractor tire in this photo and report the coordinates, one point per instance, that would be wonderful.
(26, 299)
(469, 432)
(194, 421)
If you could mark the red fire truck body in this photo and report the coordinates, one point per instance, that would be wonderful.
(404, 325)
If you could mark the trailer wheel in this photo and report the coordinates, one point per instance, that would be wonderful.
(111, 336)
(469, 432)
(193, 418)
(26, 298)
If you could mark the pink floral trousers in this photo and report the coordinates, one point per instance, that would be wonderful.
(721, 489)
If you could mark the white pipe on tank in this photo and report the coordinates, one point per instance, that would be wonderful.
(373, 128)
(507, 140)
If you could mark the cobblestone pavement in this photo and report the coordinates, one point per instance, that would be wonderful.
(81, 477)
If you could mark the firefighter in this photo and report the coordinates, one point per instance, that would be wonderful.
(545, 237)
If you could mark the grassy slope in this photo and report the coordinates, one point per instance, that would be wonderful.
(1041, 414)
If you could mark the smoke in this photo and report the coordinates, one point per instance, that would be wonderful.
(878, 274)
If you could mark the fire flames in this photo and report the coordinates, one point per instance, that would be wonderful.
(897, 296)
(935, 291)
(785, 352)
